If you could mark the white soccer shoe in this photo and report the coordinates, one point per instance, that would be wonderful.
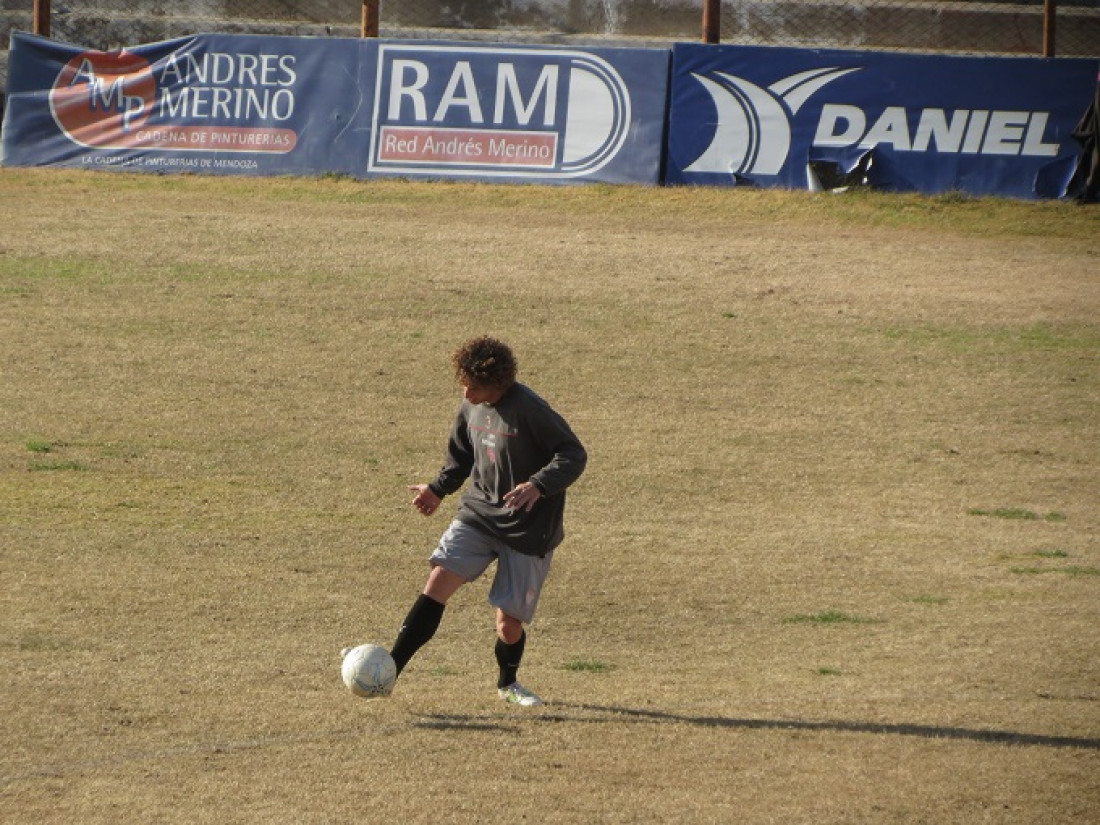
(517, 694)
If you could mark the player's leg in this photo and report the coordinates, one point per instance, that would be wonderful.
(511, 640)
(515, 595)
(462, 556)
(423, 619)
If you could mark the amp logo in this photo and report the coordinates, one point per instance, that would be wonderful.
(102, 99)
(459, 110)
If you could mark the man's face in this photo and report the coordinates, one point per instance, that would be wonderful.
(477, 394)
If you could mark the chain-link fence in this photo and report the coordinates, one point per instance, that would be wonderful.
(958, 26)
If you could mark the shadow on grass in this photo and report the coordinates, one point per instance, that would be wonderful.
(449, 722)
(606, 714)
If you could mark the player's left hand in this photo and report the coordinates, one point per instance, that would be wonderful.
(523, 497)
(426, 501)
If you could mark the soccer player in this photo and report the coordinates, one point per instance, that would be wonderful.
(519, 456)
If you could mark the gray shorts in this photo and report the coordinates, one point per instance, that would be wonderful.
(468, 552)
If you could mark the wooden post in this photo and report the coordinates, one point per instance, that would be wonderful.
(712, 21)
(42, 18)
(1050, 11)
(370, 18)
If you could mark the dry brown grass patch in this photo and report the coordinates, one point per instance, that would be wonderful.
(785, 574)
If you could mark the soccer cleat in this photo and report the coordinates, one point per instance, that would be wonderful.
(517, 694)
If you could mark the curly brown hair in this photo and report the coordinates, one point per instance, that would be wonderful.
(485, 362)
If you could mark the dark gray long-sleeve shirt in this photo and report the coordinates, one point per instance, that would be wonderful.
(520, 438)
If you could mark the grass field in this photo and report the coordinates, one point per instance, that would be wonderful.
(836, 557)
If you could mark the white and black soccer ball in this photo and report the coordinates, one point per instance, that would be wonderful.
(369, 670)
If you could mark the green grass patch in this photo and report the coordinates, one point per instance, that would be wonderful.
(829, 671)
(827, 617)
(1040, 337)
(37, 446)
(1078, 570)
(930, 600)
(587, 666)
(1016, 513)
(51, 268)
(1045, 337)
(35, 641)
(1073, 570)
(57, 466)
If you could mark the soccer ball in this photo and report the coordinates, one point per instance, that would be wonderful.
(369, 670)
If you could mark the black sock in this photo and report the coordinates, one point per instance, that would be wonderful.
(419, 627)
(509, 657)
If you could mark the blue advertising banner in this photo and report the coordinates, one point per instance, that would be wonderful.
(531, 113)
(216, 104)
(241, 104)
(821, 118)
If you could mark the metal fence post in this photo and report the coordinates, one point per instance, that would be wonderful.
(1050, 11)
(712, 21)
(370, 18)
(42, 18)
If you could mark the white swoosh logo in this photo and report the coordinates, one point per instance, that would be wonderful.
(753, 132)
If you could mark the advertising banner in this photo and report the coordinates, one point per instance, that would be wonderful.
(243, 104)
(214, 104)
(801, 118)
(531, 113)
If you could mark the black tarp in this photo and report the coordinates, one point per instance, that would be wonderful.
(1085, 184)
